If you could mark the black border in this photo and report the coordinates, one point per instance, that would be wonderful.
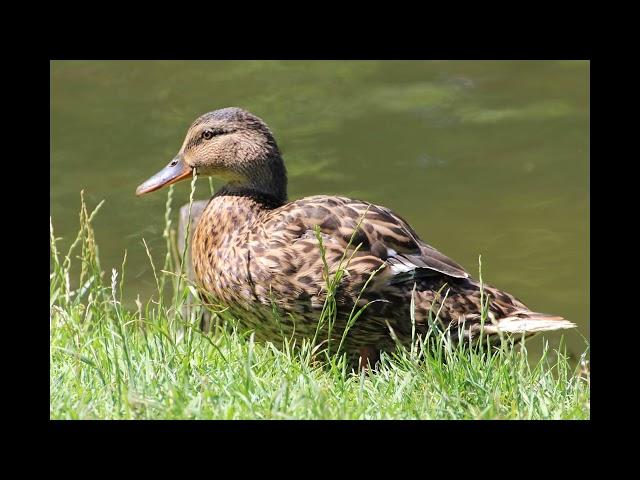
(417, 45)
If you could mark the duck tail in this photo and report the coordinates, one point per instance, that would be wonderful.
(527, 322)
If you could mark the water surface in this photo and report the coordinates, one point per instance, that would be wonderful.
(480, 157)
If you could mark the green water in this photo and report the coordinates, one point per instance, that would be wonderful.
(481, 157)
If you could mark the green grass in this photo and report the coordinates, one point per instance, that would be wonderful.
(153, 362)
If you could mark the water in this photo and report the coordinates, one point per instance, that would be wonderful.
(480, 157)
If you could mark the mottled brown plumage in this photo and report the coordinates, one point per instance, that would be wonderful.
(252, 250)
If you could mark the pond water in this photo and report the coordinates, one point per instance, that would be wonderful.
(481, 157)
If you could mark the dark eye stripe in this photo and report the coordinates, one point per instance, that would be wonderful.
(209, 133)
(199, 138)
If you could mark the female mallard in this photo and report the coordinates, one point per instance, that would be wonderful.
(252, 249)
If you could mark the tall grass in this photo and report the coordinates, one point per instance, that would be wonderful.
(108, 361)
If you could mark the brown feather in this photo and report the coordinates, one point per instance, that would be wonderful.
(252, 251)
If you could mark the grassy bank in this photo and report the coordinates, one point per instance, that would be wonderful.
(108, 361)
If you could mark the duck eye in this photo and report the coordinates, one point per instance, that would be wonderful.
(207, 134)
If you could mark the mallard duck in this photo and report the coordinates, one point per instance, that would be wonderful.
(253, 250)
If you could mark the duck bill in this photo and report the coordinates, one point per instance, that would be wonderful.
(174, 172)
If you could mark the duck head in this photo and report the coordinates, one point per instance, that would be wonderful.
(230, 144)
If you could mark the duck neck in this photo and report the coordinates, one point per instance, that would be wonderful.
(264, 181)
(261, 198)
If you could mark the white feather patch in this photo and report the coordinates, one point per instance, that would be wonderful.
(525, 325)
(397, 268)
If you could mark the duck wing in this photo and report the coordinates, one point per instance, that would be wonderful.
(382, 236)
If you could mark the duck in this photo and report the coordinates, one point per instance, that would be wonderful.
(268, 260)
